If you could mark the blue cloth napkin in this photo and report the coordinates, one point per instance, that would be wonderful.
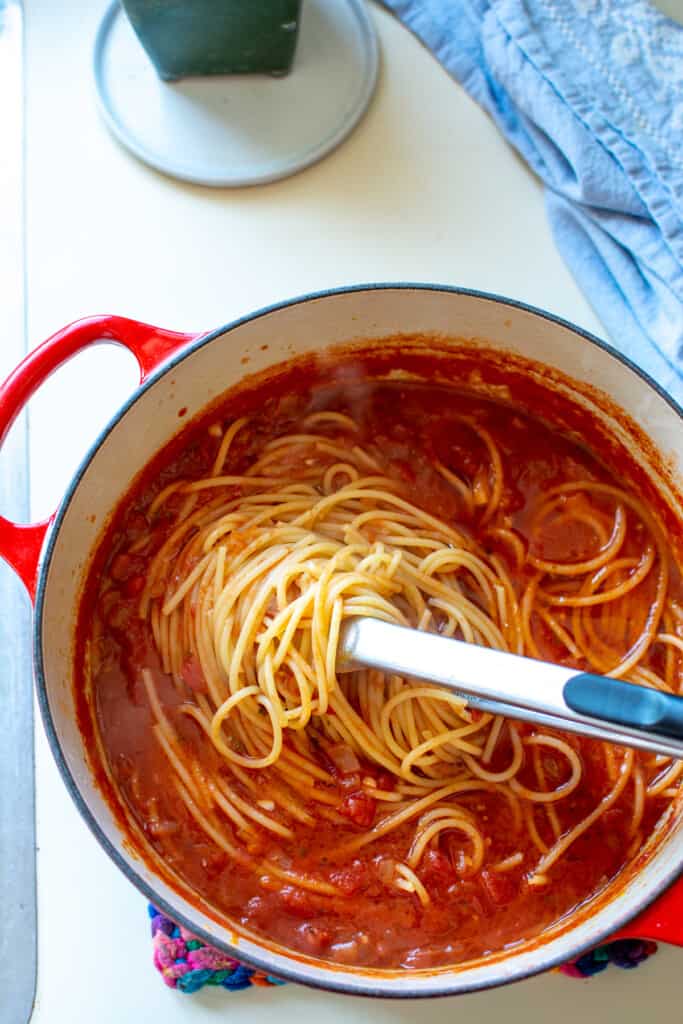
(591, 94)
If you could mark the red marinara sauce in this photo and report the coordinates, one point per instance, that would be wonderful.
(407, 427)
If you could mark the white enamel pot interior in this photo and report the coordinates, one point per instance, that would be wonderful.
(196, 377)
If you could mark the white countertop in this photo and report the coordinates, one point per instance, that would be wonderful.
(425, 190)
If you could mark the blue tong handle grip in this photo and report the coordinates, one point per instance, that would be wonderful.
(613, 700)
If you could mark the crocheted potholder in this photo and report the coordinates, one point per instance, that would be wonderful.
(626, 953)
(188, 964)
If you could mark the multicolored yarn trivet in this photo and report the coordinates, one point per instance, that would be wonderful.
(188, 964)
(626, 953)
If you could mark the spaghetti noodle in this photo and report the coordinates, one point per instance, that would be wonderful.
(253, 566)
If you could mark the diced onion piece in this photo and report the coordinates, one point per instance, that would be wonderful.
(344, 759)
(386, 870)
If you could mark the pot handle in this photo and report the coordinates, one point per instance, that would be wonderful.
(661, 921)
(20, 545)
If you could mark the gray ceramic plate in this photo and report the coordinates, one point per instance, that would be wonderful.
(241, 129)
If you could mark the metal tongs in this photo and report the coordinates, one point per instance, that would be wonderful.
(519, 687)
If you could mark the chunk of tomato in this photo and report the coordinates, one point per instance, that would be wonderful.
(436, 870)
(500, 888)
(193, 675)
(351, 879)
(314, 938)
(359, 808)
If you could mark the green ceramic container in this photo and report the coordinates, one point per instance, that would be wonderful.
(216, 37)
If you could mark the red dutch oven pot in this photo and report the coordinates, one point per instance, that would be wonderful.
(188, 372)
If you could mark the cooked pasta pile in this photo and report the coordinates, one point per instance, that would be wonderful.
(246, 596)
